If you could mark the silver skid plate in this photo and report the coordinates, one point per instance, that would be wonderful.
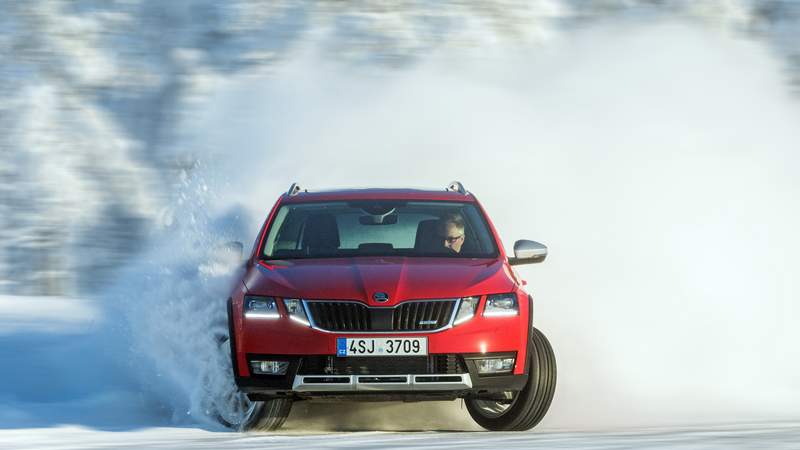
(378, 383)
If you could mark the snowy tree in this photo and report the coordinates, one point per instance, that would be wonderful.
(92, 91)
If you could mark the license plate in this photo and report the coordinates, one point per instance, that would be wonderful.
(381, 346)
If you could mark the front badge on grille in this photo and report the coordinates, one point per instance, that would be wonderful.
(428, 322)
(381, 297)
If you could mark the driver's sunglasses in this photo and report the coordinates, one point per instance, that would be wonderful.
(452, 239)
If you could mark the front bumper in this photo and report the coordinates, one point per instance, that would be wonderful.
(311, 356)
(443, 379)
(282, 336)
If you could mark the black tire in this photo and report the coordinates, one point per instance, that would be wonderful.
(233, 409)
(523, 410)
(237, 412)
(267, 415)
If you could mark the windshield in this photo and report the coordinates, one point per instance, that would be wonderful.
(378, 228)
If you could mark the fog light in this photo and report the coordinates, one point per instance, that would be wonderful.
(495, 365)
(269, 367)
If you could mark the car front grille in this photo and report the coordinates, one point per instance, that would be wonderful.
(383, 365)
(341, 316)
(425, 315)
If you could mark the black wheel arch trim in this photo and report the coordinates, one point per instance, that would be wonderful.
(232, 339)
(529, 339)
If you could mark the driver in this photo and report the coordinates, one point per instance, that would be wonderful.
(451, 232)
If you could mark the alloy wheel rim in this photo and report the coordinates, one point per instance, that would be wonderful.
(494, 408)
(237, 409)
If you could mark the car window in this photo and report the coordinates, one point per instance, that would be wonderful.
(377, 228)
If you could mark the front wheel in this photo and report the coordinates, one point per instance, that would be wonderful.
(267, 415)
(233, 409)
(522, 410)
(242, 414)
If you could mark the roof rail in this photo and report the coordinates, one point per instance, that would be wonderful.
(294, 189)
(456, 186)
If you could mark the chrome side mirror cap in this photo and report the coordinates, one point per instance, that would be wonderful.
(528, 252)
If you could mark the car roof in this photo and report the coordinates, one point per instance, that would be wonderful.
(378, 194)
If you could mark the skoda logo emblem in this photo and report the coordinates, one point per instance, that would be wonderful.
(380, 297)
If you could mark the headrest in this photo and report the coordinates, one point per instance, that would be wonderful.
(321, 233)
(427, 236)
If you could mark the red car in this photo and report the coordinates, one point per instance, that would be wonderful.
(387, 294)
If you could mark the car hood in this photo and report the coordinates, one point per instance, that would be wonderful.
(400, 278)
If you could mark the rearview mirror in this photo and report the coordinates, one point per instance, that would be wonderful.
(528, 252)
(390, 219)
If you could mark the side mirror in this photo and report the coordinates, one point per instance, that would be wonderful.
(223, 258)
(528, 252)
(234, 249)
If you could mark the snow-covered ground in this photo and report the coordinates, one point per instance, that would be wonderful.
(762, 436)
(63, 363)
(67, 383)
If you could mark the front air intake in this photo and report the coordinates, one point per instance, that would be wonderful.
(422, 315)
(440, 364)
(340, 316)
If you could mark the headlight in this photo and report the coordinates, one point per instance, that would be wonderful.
(296, 310)
(261, 307)
(466, 309)
(501, 305)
